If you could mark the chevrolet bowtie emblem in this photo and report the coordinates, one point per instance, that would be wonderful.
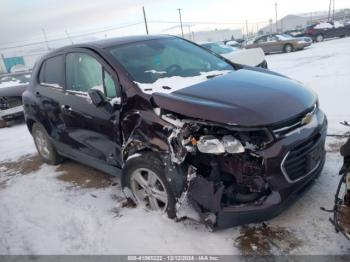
(307, 119)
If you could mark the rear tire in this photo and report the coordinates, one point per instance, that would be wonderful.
(288, 48)
(148, 166)
(44, 145)
(319, 38)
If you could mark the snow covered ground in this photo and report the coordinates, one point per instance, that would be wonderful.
(71, 209)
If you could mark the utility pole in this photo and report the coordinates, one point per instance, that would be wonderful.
(182, 30)
(68, 36)
(45, 37)
(3, 68)
(189, 32)
(270, 22)
(145, 19)
(329, 9)
(246, 29)
(276, 18)
(333, 9)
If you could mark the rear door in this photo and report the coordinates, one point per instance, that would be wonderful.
(93, 132)
(326, 29)
(50, 93)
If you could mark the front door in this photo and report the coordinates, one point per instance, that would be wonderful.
(93, 132)
(262, 43)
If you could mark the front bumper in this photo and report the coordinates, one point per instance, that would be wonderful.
(284, 190)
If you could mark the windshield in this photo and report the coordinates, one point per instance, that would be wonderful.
(218, 48)
(160, 59)
(284, 36)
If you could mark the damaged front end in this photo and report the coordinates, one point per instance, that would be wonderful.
(225, 166)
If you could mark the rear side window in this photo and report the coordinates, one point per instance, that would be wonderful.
(51, 72)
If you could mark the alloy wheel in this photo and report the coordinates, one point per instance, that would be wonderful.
(149, 189)
(42, 144)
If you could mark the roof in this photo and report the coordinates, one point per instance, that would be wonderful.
(105, 43)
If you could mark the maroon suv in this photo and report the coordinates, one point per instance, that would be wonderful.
(190, 133)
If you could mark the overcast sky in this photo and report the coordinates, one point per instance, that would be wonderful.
(23, 20)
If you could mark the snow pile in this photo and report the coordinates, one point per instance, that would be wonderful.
(174, 83)
(323, 25)
(9, 81)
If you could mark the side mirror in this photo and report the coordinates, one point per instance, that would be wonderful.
(97, 97)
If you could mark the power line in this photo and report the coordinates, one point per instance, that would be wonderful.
(205, 22)
(64, 38)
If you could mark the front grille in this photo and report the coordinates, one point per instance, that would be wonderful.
(292, 124)
(300, 161)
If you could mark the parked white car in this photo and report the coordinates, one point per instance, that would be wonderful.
(250, 57)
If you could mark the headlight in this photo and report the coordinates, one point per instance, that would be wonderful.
(232, 145)
(212, 145)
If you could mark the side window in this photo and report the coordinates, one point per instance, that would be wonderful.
(261, 40)
(272, 38)
(83, 72)
(51, 72)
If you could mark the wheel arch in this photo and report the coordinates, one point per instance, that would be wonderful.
(30, 122)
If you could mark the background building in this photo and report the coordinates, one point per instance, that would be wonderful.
(217, 35)
(299, 21)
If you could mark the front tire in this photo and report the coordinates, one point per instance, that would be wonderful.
(44, 146)
(144, 177)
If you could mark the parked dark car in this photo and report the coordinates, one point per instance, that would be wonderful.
(320, 31)
(278, 43)
(11, 88)
(183, 127)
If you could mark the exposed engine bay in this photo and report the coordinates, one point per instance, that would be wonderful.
(224, 164)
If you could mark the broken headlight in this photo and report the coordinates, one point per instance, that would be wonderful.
(211, 145)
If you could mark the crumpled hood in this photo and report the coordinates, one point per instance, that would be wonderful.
(244, 97)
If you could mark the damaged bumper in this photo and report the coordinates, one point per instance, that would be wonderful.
(273, 205)
(290, 164)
